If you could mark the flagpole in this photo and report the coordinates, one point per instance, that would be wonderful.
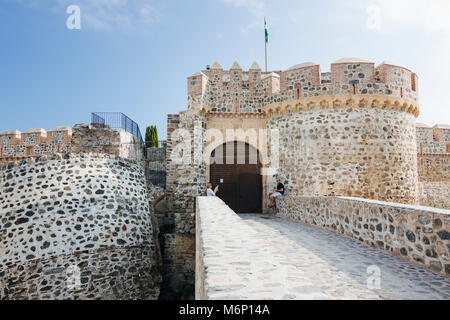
(265, 40)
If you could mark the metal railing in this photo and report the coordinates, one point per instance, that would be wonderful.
(118, 120)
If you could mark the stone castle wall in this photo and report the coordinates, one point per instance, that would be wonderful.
(82, 215)
(252, 91)
(433, 147)
(418, 234)
(15, 145)
(365, 153)
(83, 138)
(186, 179)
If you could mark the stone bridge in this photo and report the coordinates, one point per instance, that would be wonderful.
(267, 257)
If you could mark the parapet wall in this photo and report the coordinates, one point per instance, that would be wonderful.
(433, 147)
(418, 234)
(77, 228)
(15, 145)
(82, 138)
(254, 91)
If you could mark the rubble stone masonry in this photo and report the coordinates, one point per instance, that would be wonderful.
(77, 228)
(364, 153)
(433, 146)
(418, 234)
(186, 179)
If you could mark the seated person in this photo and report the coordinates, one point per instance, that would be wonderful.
(278, 192)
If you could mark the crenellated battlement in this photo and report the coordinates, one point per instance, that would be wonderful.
(81, 139)
(34, 143)
(351, 80)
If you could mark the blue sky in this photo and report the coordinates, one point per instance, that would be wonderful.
(134, 55)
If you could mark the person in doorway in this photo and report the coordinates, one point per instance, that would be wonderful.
(278, 192)
(209, 190)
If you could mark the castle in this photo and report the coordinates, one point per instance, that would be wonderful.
(82, 198)
(348, 132)
(351, 132)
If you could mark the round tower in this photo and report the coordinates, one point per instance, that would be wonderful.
(347, 132)
(353, 135)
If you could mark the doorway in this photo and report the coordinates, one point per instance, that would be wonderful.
(236, 168)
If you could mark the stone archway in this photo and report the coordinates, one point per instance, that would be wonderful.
(236, 168)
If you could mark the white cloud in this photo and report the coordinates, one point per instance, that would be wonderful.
(149, 14)
(257, 10)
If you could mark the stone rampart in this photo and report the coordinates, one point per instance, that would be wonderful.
(83, 138)
(156, 166)
(77, 228)
(103, 140)
(16, 145)
(418, 234)
(254, 91)
(433, 162)
(364, 153)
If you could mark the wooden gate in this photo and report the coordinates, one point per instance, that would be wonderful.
(238, 176)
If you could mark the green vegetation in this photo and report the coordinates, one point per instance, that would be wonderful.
(151, 137)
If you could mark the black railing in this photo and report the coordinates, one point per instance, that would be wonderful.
(117, 120)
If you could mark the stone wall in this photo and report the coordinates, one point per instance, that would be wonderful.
(81, 215)
(99, 139)
(156, 166)
(83, 138)
(366, 153)
(351, 133)
(253, 91)
(433, 166)
(434, 181)
(186, 179)
(16, 145)
(418, 234)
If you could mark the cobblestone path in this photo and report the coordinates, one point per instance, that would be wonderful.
(316, 264)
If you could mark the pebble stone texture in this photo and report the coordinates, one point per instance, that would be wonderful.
(82, 213)
(433, 147)
(306, 263)
(418, 234)
(82, 138)
(15, 145)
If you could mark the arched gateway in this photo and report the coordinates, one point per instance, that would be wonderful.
(236, 168)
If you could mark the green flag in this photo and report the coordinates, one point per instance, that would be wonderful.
(266, 30)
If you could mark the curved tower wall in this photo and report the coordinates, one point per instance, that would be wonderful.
(78, 228)
(359, 152)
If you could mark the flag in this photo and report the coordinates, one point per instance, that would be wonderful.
(266, 31)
